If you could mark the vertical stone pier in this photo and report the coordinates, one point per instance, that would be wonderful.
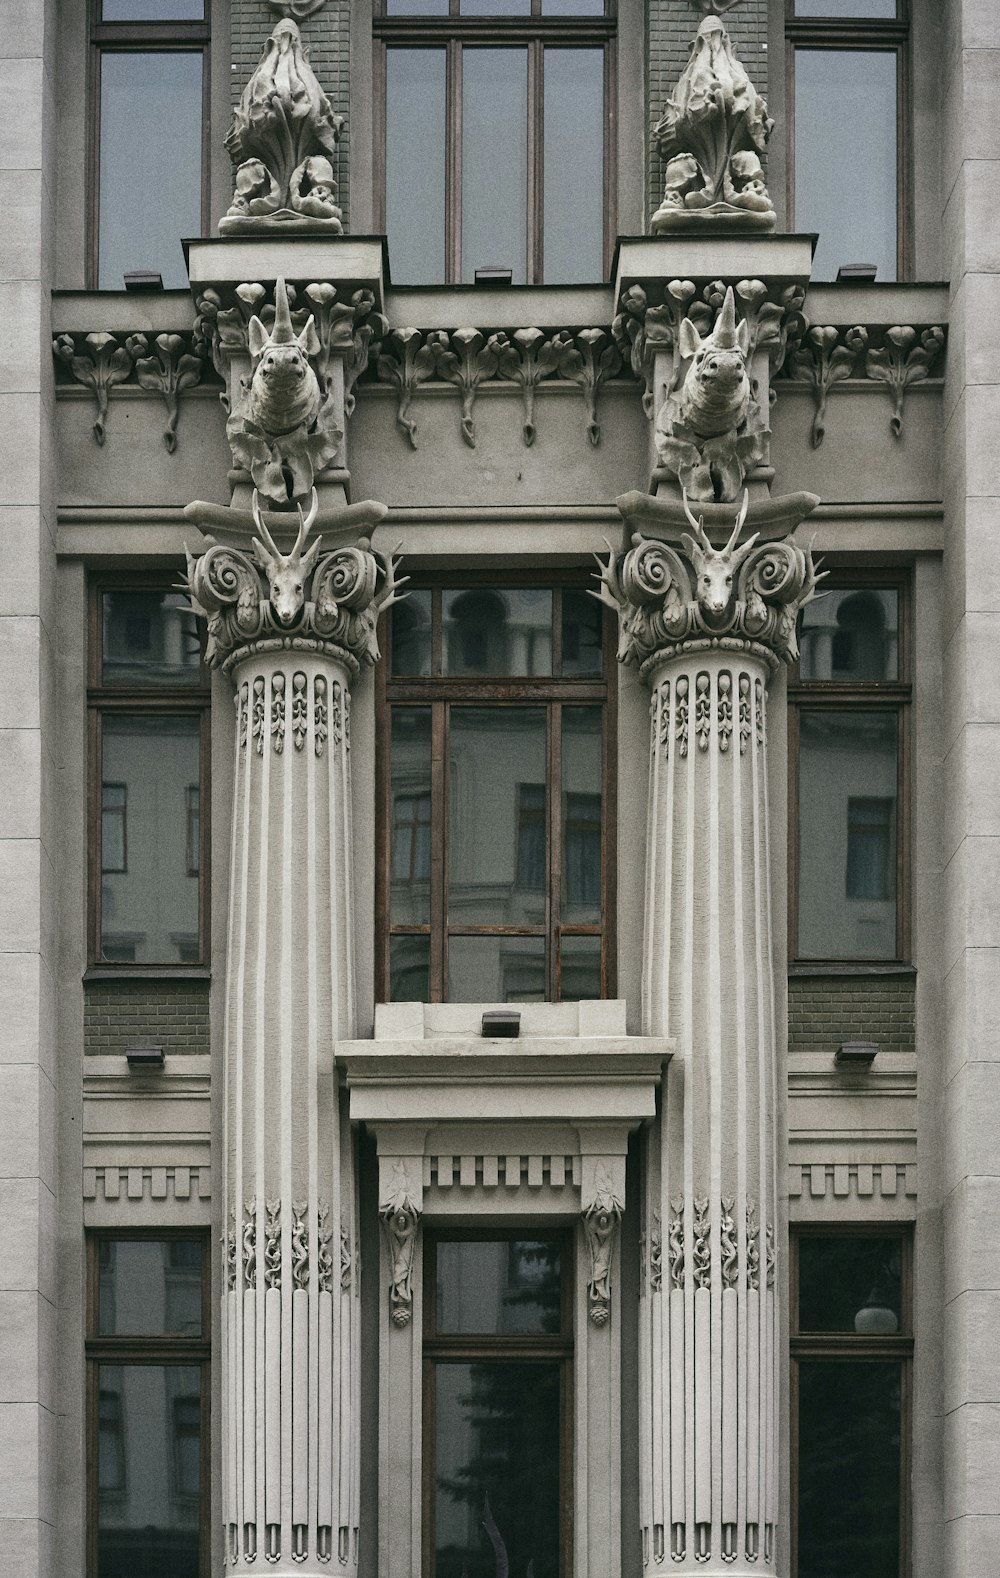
(708, 627)
(292, 630)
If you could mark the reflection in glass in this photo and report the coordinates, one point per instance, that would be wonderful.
(495, 7)
(496, 1436)
(497, 632)
(409, 969)
(149, 638)
(494, 161)
(498, 1287)
(153, 11)
(414, 164)
(572, 7)
(849, 1469)
(149, 1287)
(851, 634)
(582, 634)
(574, 166)
(149, 1470)
(496, 969)
(847, 1281)
(149, 909)
(581, 815)
(845, 157)
(140, 95)
(416, 7)
(494, 753)
(871, 10)
(847, 834)
(411, 634)
(579, 969)
(410, 790)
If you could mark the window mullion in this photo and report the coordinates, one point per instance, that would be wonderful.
(453, 165)
(535, 173)
(553, 899)
(439, 834)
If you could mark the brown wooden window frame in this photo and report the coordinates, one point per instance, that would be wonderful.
(895, 696)
(108, 700)
(439, 691)
(141, 38)
(852, 1347)
(456, 32)
(161, 1348)
(553, 1347)
(872, 36)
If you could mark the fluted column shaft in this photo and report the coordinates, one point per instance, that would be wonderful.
(708, 1319)
(290, 1479)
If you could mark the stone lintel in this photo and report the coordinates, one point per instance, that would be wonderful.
(651, 260)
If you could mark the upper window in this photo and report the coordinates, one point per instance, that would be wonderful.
(149, 721)
(496, 846)
(847, 105)
(148, 1354)
(496, 144)
(850, 705)
(150, 71)
(851, 1348)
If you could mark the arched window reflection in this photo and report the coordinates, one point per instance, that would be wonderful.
(850, 635)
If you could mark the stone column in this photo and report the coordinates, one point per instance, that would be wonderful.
(708, 628)
(292, 630)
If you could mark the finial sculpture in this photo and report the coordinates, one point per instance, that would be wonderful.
(284, 430)
(711, 432)
(282, 141)
(711, 135)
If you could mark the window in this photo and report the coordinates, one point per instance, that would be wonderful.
(495, 849)
(148, 1384)
(149, 70)
(498, 1356)
(847, 103)
(849, 727)
(851, 1348)
(149, 738)
(496, 141)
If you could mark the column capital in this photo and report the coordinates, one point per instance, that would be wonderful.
(677, 598)
(257, 599)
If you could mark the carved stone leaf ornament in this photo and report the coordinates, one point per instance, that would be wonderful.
(587, 359)
(823, 362)
(405, 363)
(282, 141)
(101, 364)
(749, 594)
(299, 9)
(168, 373)
(711, 135)
(903, 360)
(470, 360)
(526, 362)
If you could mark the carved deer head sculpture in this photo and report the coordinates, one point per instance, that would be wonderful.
(715, 568)
(287, 573)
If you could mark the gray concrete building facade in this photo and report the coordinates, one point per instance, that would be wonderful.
(498, 913)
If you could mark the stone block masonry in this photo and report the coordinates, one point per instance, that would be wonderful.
(327, 36)
(823, 1011)
(119, 1013)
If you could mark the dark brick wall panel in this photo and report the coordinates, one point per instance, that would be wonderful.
(172, 1013)
(823, 1011)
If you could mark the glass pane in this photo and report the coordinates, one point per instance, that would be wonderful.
(581, 816)
(496, 1440)
(140, 95)
(149, 903)
(496, 969)
(496, 826)
(494, 161)
(582, 631)
(845, 157)
(153, 11)
(498, 1287)
(148, 1286)
(574, 166)
(850, 1284)
(409, 969)
(497, 632)
(851, 634)
(411, 635)
(148, 1470)
(847, 835)
(869, 9)
(579, 969)
(414, 164)
(410, 790)
(150, 638)
(849, 1470)
(495, 7)
(416, 8)
(572, 7)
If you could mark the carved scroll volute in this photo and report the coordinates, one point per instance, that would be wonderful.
(399, 1213)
